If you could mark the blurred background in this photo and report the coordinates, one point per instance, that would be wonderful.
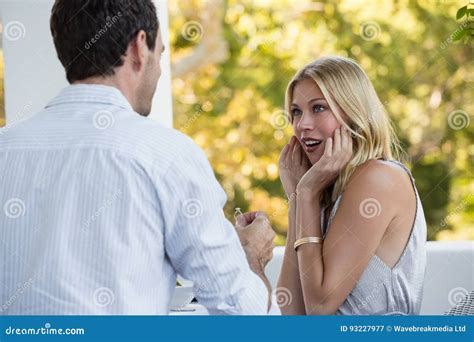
(232, 60)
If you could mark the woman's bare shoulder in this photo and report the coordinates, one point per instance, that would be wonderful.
(388, 185)
(380, 173)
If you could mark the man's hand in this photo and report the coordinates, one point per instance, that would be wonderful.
(256, 236)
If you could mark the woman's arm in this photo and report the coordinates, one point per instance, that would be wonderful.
(333, 268)
(329, 271)
(292, 303)
(293, 165)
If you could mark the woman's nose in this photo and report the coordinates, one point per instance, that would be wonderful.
(305, 122)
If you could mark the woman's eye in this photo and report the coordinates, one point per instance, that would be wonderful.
(295, 112)
(318, 108)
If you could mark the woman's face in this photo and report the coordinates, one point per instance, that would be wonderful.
(313, 120)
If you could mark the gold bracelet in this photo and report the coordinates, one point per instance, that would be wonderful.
(311, 239)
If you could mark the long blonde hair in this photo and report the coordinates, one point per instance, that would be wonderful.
(346, 87)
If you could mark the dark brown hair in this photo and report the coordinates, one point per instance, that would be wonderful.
(92, 36)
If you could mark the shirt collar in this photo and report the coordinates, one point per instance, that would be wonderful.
(91, 93)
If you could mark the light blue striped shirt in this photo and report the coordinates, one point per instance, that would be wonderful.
(102, 208)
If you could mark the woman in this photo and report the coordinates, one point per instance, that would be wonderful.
(357, 232)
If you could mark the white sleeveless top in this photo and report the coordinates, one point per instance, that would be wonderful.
(382, 290)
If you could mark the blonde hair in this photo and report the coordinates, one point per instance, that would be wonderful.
(346, 87)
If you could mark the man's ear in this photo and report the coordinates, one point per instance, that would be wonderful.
(138, 51)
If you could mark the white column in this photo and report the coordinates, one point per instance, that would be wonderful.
(162, 110)
(33, 73)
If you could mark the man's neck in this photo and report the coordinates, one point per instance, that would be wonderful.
(123, 87)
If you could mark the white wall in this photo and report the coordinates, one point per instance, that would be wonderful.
(33, 73)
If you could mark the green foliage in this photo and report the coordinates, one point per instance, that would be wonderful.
(461, 12)
(406, 49)
(466, 29)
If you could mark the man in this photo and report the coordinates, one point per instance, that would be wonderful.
(102, 207)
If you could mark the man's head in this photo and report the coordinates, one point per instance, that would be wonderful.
(115, 42)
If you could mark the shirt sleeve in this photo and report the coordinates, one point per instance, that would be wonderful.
(201, 243)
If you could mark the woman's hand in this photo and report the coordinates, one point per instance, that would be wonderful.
(293, 165)
(337, 153)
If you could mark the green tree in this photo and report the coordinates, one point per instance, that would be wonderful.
(230, 102)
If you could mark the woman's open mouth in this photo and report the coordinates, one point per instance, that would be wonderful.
(311, 144)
